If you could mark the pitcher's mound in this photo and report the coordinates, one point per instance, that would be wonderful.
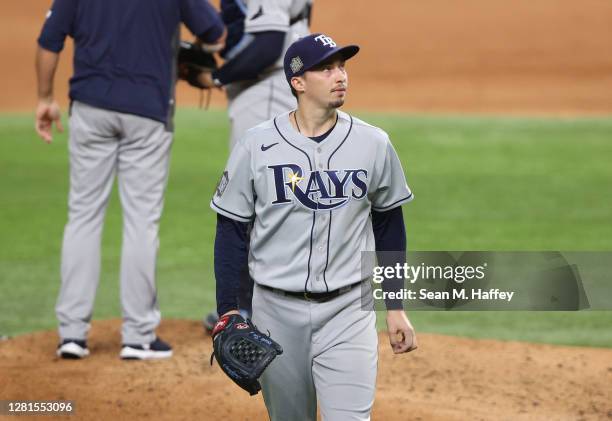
(447, 378)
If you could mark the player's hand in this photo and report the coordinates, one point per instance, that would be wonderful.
(206, 81)
(219, 326)
(47, 112)
(401, 333)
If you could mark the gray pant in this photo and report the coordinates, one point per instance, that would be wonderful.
(253, 102)
(330, 355)
(137, 149)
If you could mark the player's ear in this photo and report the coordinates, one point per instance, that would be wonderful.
(297, 83)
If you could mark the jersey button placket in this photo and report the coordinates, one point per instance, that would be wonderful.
(320, 233)
(318, 159)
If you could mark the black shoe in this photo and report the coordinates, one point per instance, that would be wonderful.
(72, 349)
(157, 349)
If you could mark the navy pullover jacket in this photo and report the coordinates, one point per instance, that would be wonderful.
(125, 50)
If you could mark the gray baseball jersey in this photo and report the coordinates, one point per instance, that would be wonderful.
(310, 202)
(276, 15)
(251, 102)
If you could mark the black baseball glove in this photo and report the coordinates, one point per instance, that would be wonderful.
(193, 60)
(242, 351)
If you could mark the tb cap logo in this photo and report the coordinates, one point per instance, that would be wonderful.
(326, 41)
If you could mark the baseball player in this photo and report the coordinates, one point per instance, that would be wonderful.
(122, 96)
(259, 33)
(319, 186)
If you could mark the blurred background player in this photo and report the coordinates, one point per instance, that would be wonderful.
(122, 104)
(259, 33)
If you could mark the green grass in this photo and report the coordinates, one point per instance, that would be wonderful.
(481, 183)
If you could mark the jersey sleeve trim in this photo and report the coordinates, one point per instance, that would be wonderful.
(230, 214)
(395, 204)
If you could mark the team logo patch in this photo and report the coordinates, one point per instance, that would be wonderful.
(326, 41)
(222, 184)
(322, 190)
(296, 64)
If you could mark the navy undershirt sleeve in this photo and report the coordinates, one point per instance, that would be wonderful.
(265, 48)
(390, 238)
(231, 257)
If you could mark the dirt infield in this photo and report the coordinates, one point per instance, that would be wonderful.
(445, 379)
(549, 56)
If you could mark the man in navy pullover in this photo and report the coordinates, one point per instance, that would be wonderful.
(122, 102)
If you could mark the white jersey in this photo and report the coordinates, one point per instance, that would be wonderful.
(277, 15)
(310, 202)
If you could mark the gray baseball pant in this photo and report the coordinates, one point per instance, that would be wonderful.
(103, 143)
(330, 355)
(253, 102)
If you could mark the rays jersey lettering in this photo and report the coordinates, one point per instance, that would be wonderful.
(318, 190)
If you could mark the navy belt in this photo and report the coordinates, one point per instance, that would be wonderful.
(319, 297)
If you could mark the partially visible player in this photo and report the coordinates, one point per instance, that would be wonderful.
(259, 33)
(319, 187)
(122, 97)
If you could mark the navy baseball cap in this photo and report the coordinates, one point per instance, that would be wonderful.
(307, 52)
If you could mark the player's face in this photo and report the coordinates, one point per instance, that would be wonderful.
(327, 83)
